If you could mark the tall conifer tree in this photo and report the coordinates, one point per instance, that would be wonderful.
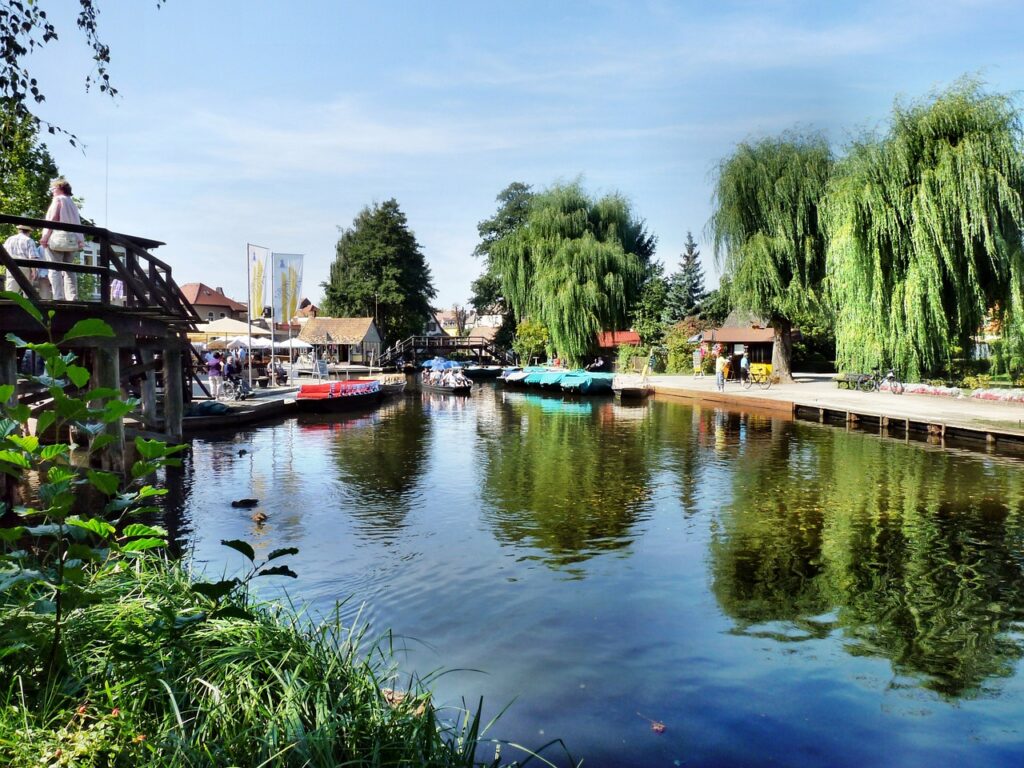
(685, 285)
(379, 270)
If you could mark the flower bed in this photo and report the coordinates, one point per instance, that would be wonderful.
(999, 395)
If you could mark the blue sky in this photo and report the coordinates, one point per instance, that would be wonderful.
(275, 123)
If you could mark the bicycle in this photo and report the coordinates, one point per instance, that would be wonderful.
(763, 379)
(874, 382)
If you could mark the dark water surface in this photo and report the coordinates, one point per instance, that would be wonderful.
(773, 592)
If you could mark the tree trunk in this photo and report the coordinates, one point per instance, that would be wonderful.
(782, 351)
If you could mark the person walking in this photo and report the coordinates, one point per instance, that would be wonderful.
(61, 246)
(720, 367)
(744, 367)
(20, 245)
(215, 372)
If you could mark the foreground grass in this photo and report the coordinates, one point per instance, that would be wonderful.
(147, 677)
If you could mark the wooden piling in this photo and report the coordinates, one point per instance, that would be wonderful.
(174, 401)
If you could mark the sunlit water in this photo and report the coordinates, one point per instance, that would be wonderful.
(770, 591)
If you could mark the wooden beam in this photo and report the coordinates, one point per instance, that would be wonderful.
(107, 373)
(148, 387)
(174, 395)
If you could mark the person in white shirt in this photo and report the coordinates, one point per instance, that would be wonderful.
(62, 247)
(21, 246)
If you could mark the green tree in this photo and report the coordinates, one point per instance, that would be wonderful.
(685, 285)
(26, 169)
(380, 272)
(717, 304)
(648, 313)
(766, 228)
(925, 232)
(576, 265)
(25, 28)
(531, 340)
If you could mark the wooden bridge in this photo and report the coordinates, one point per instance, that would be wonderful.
(416, 348)
(135, 294)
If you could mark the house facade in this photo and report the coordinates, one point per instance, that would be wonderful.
(211, 303)
(353, 340)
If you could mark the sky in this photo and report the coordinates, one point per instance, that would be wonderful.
(275, 123)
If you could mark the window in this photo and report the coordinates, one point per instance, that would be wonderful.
(209, 317)
(222, 314)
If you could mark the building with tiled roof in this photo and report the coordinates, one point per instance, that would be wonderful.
(343, 339)
(211, 303)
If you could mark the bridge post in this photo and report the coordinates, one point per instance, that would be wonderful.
(8, 375)
(174, 393)
(148, 388)
(107, 373)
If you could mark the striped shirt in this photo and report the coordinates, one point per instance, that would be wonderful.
(21, 246)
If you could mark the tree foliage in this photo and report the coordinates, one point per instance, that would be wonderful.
(25, 28)
(576, 265)
(925, 229)
(685, 285)
(649, 310)
(26, 169)
(766, 228)
(379, 271)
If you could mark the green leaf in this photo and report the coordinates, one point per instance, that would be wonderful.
(116, 410)
(279, 570)
(79, 376)
(138, 545)
(101, 393)
(101, 528)
(12, 534)
(45, 607)
(232, 612)
(138, 529)
(102, 441)
(85, 552)
(6, 392)
(240, 546)
(46, 529)
(8, 427)
(51, 452)
(43, 423)
(148, 491)
(15, 458)
(151, 449)
(17, 578)
(89, 328)
(215, 591)
(19, 413)
(59, 474)
(282, 552)
(24, 303)
(106, 482)
(27, 443)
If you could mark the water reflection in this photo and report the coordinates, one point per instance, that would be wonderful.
(568, 477)
(380, 457)
(912, 555)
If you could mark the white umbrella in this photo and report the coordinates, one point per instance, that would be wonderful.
(227, 325)
(240, 341)
(293, 344)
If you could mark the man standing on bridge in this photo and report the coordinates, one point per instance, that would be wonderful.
(21, 246)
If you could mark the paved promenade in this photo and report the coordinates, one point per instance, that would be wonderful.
(820, 391)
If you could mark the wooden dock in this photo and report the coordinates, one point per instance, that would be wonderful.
(133, 292)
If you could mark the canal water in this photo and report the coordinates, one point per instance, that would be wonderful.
(657, 585)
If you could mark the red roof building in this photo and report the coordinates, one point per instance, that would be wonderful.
(613, 339)
(211, 303)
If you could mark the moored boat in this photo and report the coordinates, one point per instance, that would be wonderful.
(459, 388)
(630, 386)
(333, 396)
(482, 372)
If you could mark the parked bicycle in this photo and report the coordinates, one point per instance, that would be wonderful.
(762, 378)
(874, 382)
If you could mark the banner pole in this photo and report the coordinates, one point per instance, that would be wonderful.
(248, 302)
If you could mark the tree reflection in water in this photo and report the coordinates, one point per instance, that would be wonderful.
(913, 554)
(569, 478)
(379, 460)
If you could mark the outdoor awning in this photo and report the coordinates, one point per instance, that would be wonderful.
(227, 326)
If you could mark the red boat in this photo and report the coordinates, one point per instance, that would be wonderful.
(333, 396)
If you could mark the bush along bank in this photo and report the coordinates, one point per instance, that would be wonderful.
(111, 654)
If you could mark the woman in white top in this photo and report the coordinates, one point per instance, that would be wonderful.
(62, 247)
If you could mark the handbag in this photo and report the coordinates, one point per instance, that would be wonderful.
(64, 242)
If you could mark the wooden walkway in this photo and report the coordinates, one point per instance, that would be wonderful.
(134, 292)
(817, 398)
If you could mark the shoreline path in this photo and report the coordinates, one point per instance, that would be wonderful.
(982, 417)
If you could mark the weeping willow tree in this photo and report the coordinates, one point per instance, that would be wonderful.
(925, 232)
(767, 232)
(576, 266)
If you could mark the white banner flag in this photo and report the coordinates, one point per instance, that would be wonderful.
(286, 277)
(257, 280)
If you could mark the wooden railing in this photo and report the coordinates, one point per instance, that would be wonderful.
(148, 283)
(445, 343)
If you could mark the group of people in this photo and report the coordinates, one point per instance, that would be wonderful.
(446, 377)
(56, 246)
(723, 365)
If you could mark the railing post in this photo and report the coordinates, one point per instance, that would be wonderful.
(105, 266)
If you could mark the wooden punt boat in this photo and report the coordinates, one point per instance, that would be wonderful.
(460, 389)
(336, 396)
